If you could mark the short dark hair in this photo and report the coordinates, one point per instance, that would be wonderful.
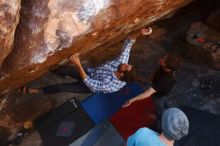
(173, 61)
(129, 76)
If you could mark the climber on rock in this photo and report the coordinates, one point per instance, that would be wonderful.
(106, 78)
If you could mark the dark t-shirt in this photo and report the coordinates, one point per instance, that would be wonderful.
(163, 82)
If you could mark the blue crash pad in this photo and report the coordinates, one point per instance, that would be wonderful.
(101, 106)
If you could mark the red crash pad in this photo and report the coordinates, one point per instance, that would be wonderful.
(130, 119)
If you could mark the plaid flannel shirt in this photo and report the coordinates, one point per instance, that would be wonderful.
(102, 78)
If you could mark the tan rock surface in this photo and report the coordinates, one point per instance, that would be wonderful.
(51, 30)
(9, 18)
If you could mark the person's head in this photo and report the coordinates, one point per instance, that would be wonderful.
(175, 124)
(127, 72)
(170, 62)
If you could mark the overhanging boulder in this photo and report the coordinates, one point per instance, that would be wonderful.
(9, 17)
(51, 30)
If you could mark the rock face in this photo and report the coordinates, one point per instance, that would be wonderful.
(51, 30)
(204, 44)
(16, 112)
(214, 20)
(9, 17)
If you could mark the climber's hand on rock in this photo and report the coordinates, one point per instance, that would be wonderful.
(146, 31)
(75, 59)
(143, 31)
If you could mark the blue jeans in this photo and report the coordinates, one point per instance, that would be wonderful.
(75, 87)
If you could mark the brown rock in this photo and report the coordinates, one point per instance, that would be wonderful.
(9, 17)
(51, 30)
(4, 133)
(214, 20)
(158, 32)
(204, 44)
(17, 111)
